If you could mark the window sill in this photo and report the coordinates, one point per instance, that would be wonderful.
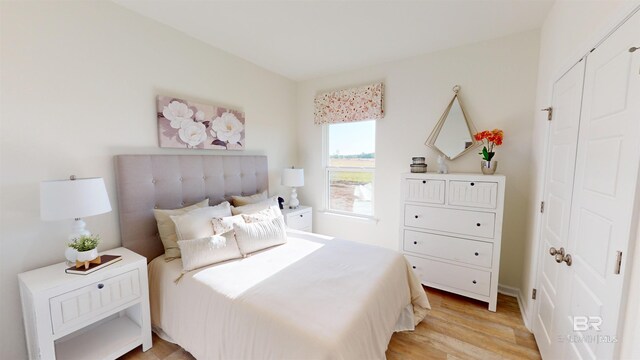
(361, 218)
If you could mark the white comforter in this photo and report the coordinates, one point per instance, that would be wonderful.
(311, 298)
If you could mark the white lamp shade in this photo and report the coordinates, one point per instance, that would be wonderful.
(73, 199)
(293, 177)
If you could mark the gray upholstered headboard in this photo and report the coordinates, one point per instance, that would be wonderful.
(145, 182)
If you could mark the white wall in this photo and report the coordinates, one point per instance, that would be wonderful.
(498, 81)
(569, 31)
(78, 82)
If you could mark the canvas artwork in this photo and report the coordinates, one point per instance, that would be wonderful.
(185, 124)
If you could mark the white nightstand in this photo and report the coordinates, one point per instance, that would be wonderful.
(299, 219)
(102, 315)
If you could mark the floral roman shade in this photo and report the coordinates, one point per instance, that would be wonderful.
(348, 105)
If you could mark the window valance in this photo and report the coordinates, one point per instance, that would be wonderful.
(349, 105)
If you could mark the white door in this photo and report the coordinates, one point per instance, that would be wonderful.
(560, 166)
(604, 197)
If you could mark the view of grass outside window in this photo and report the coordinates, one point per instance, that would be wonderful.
(350, 167)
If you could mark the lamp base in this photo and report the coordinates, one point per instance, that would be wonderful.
(293, 200)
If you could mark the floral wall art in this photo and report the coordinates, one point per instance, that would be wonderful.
(185, 124)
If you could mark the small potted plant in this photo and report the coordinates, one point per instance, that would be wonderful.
(86, 247)
(490, 139)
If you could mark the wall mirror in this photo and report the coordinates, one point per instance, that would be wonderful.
(453, 134)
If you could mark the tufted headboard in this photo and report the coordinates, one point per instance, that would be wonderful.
(145, 182)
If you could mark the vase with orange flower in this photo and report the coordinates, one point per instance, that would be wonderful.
(490, 139)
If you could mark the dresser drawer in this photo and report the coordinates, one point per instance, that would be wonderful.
(300, 221)
(453, 276)
(455, 221)
(478, 194)
(425, 190)
(80, 305)
(451, 248)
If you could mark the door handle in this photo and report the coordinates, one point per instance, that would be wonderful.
(560, 255)
(567, 259)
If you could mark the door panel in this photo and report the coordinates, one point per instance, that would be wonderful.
(561, 153)
(604, 191)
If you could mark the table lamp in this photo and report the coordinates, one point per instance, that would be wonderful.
(293, 178)
(73, 199)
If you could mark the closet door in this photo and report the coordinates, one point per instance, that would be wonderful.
(560, 165)
(604, 197)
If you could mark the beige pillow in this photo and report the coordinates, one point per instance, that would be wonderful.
(208, 251)
(262, 215)
(222, 225)
(167, 229)
(255, 207)
(196, 224)
(246, 200)
(261, 235)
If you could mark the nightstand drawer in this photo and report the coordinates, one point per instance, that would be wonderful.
(78, 306)
(299, 221)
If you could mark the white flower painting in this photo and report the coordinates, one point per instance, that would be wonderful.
(185, 124)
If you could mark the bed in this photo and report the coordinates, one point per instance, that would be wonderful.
(314, 297)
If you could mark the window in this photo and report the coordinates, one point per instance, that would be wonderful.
(351, 163)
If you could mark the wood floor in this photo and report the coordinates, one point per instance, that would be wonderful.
(455, 328)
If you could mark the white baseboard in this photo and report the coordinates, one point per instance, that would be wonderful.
(516, 293)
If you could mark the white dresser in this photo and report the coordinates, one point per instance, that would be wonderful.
(451, 229)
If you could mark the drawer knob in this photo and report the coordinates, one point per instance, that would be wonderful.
(477, 224)
(424, 181)
(415, 243)
(476, 254)
(416, 216)
(100, 286)
(475, 282)
(413, 267)
(300, 215)
(473, 184)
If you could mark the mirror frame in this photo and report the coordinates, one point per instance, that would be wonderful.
(431, 140)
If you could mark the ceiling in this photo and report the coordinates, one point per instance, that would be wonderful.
(307, 39)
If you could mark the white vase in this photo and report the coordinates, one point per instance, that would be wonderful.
(87, 255)
(71, 254)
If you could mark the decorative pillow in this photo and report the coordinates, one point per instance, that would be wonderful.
(208, 251)
(167, 229)
(252, 199)
(225, 224)
(196, 224)
(255, 207)
(260, 235)
(262, 215)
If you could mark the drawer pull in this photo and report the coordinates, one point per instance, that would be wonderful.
(416, 216)
(473, 184)
(475, 282)
(301, 215)
(100, 286)
(424, 181)
(476, 254)
(415, 243)
(477, 224)
(413, 267)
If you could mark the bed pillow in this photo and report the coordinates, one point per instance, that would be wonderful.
(196, 224)
(167, 230)
(261, 235)
(262, 215)
(255, 207)
(252, 199)
(222, 225)
(208, 251)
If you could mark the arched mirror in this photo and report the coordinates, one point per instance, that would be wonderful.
(453, 134)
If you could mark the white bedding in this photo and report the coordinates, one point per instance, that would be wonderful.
(311, 298)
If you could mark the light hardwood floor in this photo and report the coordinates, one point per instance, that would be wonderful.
(455, 328)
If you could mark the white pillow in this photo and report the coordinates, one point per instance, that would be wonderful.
(208, 251)
(223, 224)
(261, 235)
(262, 215)
(254, 208)
(251, 199)
(196, 224)
(167, 229)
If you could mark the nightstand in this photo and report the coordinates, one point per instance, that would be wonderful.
(300, 218)
(102, 315)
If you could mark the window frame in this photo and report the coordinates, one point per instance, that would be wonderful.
(327, 179)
